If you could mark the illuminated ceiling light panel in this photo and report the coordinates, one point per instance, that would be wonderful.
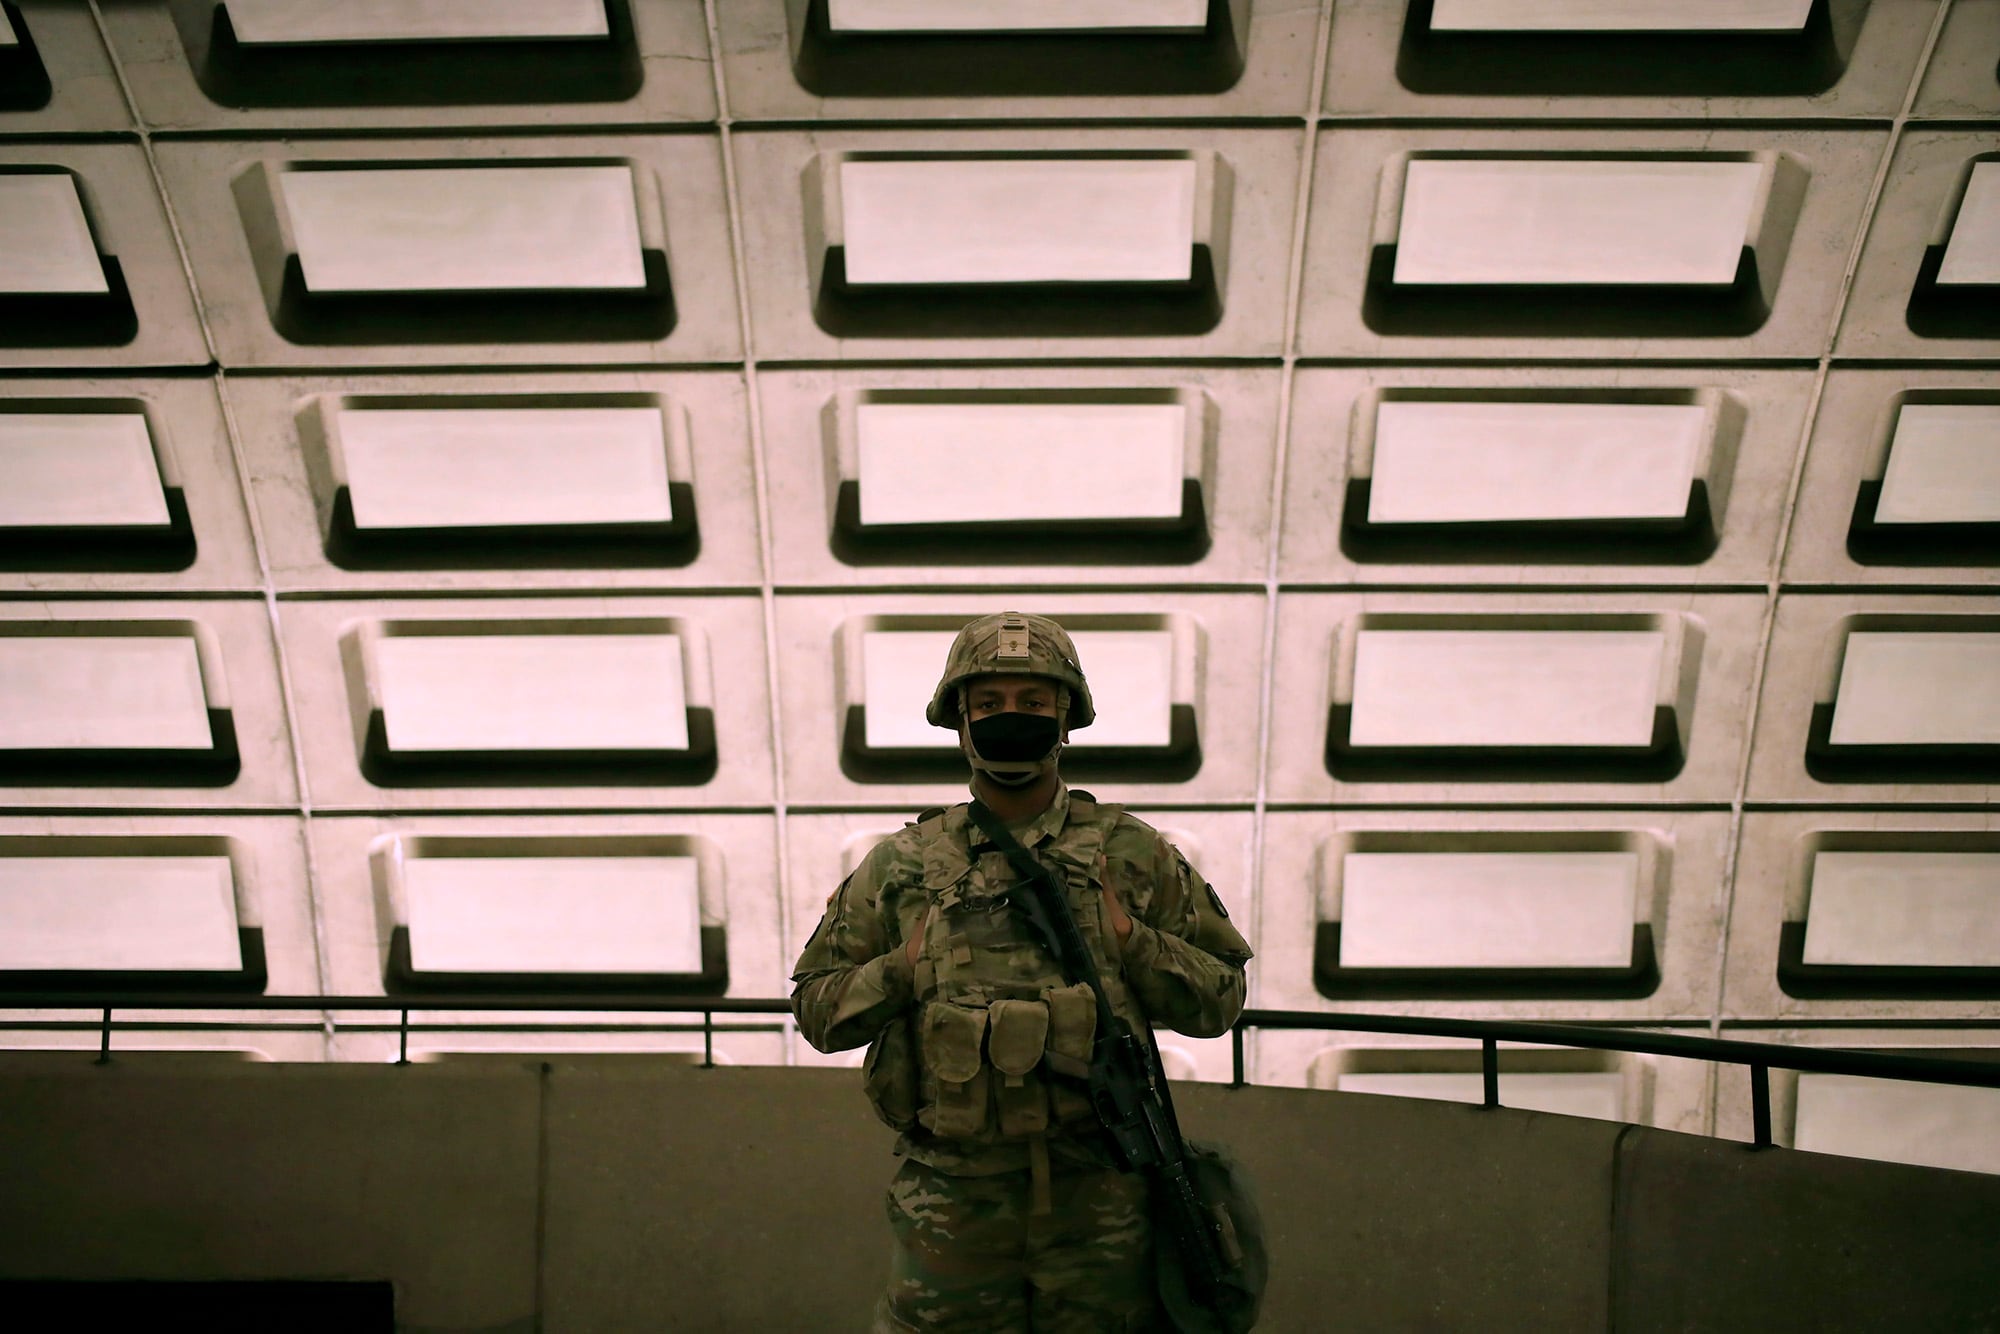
(553, 914)
(1918, 688)
(1619, 15)
(1596, 1094)
(947, 462)
(70, 469)
(1506, 687)
(1973, 253)
(1012, 15)
(1131, 675)
(7, 37)
(473, 467)
(532, 692)
(1899, 1121)
(1546, 221)
(93, 692)
(1459, 462)
(445, 229)
(278, 22)
(1944, 465)
(1934, 909)
(45, 241)
(982, 220)
(171, 914)
(1487, 909)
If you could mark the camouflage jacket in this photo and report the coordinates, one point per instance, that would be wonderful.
(1181, 967)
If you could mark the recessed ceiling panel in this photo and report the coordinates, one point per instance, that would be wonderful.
(88, 692)
(926, 463)
(1619, 15)
(928, 59)
(273, 22)
(480, 467)
(1918, 688)
(1972, 255)
(103, 914)
(45, 241)
(1487, 909)
(594, 692)
(1944, 465)
(1012, 15)
(1506, 687)
(1923, 909)
(1900, 1121)
(1130, 672)
(75, 469)
(1551, 221)
(1018, 220)
(451, 229)
(1458, 462)
(523, 914)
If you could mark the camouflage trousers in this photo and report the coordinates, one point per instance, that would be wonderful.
(969, 1256)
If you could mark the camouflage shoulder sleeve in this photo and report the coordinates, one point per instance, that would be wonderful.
(1184, 960)
(853, 977)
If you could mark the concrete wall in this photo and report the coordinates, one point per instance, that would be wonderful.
(605, 1198)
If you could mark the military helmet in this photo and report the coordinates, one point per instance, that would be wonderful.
(1011, 641)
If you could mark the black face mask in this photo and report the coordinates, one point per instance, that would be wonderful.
(1016, 737)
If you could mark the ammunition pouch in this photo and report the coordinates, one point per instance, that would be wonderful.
(1017, 1032)
(889, 1075)
(1009, 1070)
(950, 1038)
(1072, 1030)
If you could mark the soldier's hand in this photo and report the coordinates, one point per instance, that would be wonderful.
(915, 945)
(1121, 921)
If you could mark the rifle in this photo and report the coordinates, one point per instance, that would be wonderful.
(1126, 1084)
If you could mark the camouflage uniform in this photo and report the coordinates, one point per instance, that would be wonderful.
(1006, 1213)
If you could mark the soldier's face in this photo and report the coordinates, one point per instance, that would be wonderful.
(988, 695)
(1012, 727)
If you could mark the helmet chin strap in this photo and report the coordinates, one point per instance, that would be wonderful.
(1009, 773)
(1012, 779)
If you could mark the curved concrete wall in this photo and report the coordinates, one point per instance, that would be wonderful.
(604, 1198)
(1641, 529)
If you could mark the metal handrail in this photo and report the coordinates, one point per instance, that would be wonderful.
(1760, 1057)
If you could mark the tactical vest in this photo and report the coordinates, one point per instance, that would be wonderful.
(994, 1017)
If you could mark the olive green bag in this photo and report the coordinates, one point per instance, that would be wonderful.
(1226, 1192)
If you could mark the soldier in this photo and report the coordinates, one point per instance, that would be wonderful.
(1006, 1213)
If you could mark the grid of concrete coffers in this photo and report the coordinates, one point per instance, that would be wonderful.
(484, 490)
